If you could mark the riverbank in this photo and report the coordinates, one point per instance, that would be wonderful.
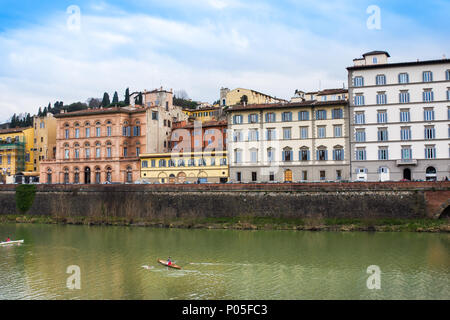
(250, 223)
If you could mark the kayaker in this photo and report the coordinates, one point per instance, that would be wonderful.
(169, 261)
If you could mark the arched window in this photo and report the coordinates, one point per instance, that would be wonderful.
(304, 154)
(49, 176)
(431, 174)
(287, 154)
(97, 175)
(76, 175)
(322, 153)
(129, 175)
(66, 175)
(108, 174)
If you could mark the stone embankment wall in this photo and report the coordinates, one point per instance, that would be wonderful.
(324, 200)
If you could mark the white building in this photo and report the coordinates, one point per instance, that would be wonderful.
(400, 118)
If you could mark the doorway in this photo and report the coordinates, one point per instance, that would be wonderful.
(407, 174)
(87, 175)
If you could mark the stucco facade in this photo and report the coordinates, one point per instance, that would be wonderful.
(400, 119)
(233, 97)
(293, 142)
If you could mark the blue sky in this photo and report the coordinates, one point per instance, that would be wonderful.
(199, 46)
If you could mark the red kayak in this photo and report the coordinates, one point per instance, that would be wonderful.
(167, 264)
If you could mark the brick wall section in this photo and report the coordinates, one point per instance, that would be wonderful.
(326, 200)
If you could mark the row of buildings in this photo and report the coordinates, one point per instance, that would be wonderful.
(392, 123)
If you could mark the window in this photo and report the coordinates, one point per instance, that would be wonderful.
(223, 161)
(237, 119)
(287, 154)
(358, 82)
(383, 153)
(97, 152)
(380, 80)
(237, 156)
(321, 115)
(253, 155)
(138, 151)
(66, 133)
(237, 136)
(171, 163)
(125, 151)
(404, 115)
(66, 153)
(286, 116)
(77, 133)
(286, 133)
(338, 174)
(162, 163)
(154, 115)
(191, 162)
(430, 152)
(382, 134)
(270, 155)
(271, 176)
(448, 93)
(303, 116)
(375, 60)
(428, 95)
(406, 153)
(97, 131)
(304, 175)
(108, 131)
(321, 132)
(403, 78)
(136, 131)
(238, 176)
(153, 163)
(404, 96)
(181, 163)
(253, 118)
(253, 135)
(77, 153)
(382, 116)
(9, 158)
(338, 154)
(361, 154)
(359, 99)
(338, 131)
(427, 76)
(270, 117)
(88, 132)
(87, 152)
(405, 133)
(430, 133)
(447, 75)
(360, 118)
(254, 177)
(322, 154)
(428, 114)
(381, 98)
(108, 152)
(337, 114)
(271, 134)
(360, 135)
(304, 154)
(304, 132)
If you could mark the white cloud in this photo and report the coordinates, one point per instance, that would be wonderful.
(111, 52)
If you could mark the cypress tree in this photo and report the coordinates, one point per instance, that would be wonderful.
(115, 98)
(105, 101)
(127, 97)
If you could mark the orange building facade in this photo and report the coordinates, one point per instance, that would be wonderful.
(97, 146)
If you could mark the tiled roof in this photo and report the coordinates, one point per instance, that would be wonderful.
(13, 130)
(308, 103)
(371, 53)
(88, 112)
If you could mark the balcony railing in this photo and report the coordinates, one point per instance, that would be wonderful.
(406, 162)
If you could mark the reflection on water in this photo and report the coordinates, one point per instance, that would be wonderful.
(120, 263)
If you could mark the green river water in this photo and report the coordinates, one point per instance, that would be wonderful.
(220, 264)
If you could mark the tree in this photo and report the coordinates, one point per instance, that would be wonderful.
(40, 112)
(105, 101)
(94, 103)
(127, 97)
(181, 94)
(138, 99)
(115, 98)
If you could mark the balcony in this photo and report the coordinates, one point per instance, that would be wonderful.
(407, 162)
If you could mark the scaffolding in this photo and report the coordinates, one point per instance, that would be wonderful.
(17, 148)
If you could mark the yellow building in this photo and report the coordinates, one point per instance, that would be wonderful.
(16, 153)
(188, 167)
(44, 139)
(204, 114)
(241, 96)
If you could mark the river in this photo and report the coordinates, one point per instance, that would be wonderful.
(120, 263)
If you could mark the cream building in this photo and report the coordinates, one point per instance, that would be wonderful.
(240, 95)
(322, 95)
(295, 142)
(400, 118)
(44, 139)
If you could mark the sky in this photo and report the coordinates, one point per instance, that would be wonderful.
(49, 52)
